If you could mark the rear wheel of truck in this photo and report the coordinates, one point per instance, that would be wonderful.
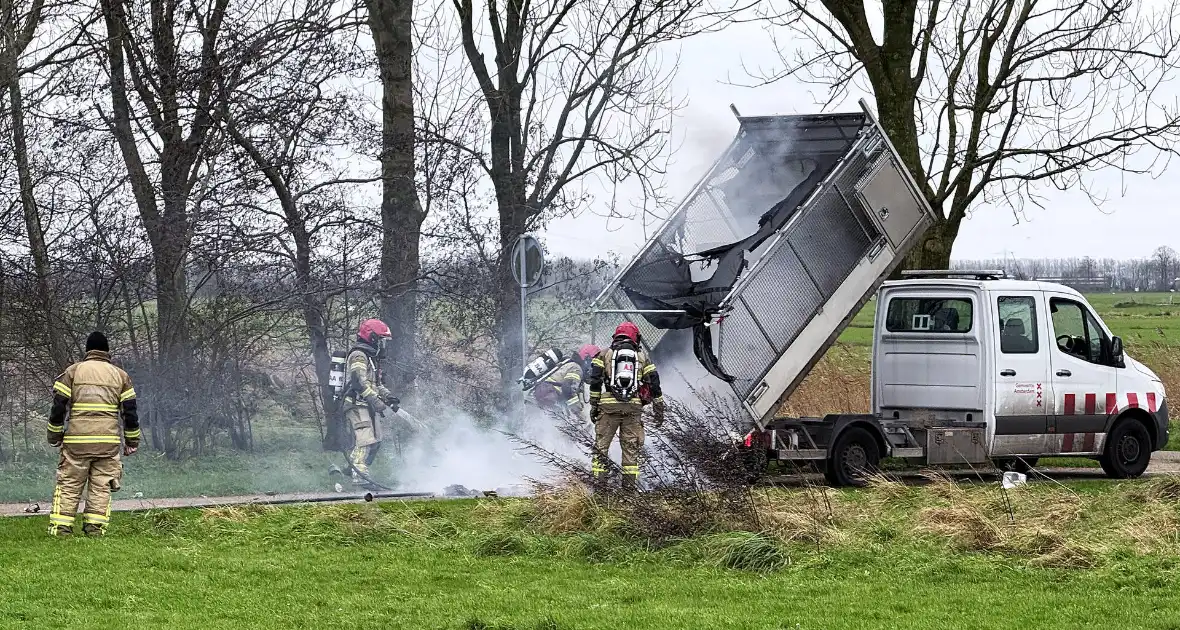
(1127, 451)
(853, 458)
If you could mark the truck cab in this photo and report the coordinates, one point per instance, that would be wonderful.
(1033, 360)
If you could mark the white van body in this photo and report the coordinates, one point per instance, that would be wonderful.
(1031, 359)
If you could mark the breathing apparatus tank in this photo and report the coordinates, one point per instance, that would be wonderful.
(337, 375)
(540, 367)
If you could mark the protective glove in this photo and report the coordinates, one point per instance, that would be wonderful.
(378, 406)
(54, 437)
(595, 413)
(658, 415)
(394, 403)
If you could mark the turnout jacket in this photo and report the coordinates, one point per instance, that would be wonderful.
(363, 385)
(98, 401)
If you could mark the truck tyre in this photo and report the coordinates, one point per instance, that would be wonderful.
(853, 458)
(1127, 451)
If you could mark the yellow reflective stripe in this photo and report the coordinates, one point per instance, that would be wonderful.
(91, 439)
(611, 400)
(596, 394)
(648, 369)
(572, 377)
(56, 510)
(597, 362)
(95, 519)
(658, 399)
(573, 402)
(131, 435)
(58, 519)
(127, 395)
(57, 428)
(60, 388)
(93, 407)
(630, 470)
(368, 391)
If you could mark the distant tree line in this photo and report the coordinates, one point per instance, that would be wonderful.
(1159, 272)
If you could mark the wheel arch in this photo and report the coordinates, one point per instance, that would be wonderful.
(844, 423)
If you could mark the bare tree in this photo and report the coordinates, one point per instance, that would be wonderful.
(19, 23)
(170, 55)
(281, 111)
(992, 100)
(573, 88)
(1164, 258)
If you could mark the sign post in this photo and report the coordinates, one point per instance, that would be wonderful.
(528, 265)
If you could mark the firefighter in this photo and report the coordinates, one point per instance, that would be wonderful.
(365, 398)
(622, 381)
(564, 386)
(95, 395)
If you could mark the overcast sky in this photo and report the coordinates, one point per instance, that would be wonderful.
(1139, 215)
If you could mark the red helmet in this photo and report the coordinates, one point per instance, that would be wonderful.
(372, 331)
(588, 351)
(628, 330)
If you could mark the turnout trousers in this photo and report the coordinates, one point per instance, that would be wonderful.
(628, 424)
(365, 437)
(98, 476)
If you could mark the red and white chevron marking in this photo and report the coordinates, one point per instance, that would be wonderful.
(1078, 442)
(1108, 404)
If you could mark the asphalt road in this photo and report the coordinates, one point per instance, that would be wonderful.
(1162, 463)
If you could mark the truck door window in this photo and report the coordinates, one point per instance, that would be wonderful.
(1075, 330)
(1018, 325)
(929, 315)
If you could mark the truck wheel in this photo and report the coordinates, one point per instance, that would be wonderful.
(1127, 450)
(853, 457)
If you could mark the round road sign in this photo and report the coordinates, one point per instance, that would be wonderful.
(534, 260)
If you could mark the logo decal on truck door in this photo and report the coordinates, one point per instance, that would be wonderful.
(1032, 388)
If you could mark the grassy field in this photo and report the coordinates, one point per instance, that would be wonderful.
(937, 557)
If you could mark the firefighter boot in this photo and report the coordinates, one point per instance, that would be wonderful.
(93, 529)
(61, 530)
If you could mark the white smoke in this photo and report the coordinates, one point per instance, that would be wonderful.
(457, 451)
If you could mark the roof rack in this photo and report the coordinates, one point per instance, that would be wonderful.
(977, 274)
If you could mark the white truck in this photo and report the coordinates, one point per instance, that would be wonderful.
(799, 223)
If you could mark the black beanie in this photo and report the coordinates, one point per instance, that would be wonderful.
(97, 341)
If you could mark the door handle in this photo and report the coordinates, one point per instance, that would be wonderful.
(1064, 373)
(1008, 373)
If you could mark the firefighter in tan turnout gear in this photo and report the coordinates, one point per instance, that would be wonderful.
(622, 381)
(563, 387)
(93, 403)
(365, 398)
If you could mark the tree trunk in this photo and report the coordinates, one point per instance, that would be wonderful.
(510, 198)
(401, 215)
(58, 351)
(313, 314)
(933, 252)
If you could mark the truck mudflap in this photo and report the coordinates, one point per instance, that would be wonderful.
(773, 252)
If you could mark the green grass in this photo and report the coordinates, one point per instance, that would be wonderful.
(447, 566)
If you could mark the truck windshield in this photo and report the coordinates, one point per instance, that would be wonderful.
(937, 315)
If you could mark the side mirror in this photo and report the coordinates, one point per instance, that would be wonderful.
(1116, 350)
